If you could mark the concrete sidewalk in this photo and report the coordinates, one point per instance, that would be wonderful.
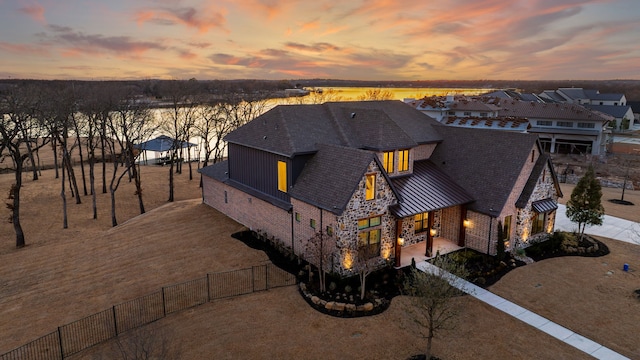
(559, 332)
(612, 227)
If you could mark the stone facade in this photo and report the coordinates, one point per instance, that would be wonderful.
(544, 189)
(346, 231)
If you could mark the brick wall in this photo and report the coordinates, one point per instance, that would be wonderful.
(477, 233)
(423, 152)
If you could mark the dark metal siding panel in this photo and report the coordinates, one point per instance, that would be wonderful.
(298, 164)
(257, 169)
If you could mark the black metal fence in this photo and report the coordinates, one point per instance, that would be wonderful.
(72, 338)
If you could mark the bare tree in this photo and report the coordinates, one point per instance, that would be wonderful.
(318, 251)
(145, 343)
(17, 125)
(375, 95)
(431, 296)
(129, 124)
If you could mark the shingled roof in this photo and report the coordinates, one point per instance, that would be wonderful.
(295, 129)
(485, 164)
(542, 161)
(331, 176)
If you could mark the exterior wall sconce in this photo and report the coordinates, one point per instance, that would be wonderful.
(466, 223)
(400, 241)
(432, 232)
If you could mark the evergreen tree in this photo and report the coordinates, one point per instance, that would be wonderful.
(500, 243)
(585, 207)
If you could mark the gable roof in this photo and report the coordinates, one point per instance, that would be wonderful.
(543, 161)
(478, 163)
(615, 111)
(296, 129)
(330, 178)
(536, 110)
(427, 189)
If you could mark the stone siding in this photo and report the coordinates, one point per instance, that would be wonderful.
(544, 189)
(346, 231)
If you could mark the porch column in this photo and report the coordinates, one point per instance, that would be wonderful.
(463, 228)
(429, 249)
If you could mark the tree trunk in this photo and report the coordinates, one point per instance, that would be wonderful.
(136, 176)
(171, 181)
(72, 178)
(54, 146)
(429, 340)
(114, 222)
(104, 158)
(84, 180)
(92, 184)
(15, 218)
(65, 224)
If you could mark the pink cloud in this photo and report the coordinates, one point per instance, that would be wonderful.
(36, 12)
(23, 49)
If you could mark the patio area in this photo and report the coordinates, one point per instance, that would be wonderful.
(417, 251)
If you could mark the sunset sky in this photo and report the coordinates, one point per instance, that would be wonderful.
(289, 39)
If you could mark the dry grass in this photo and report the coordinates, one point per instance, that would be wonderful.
(64, 275)
(629, 212)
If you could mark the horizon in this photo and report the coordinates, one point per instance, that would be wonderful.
(543, 40)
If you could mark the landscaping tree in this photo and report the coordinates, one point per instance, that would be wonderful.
(376, 95)
(365, 264)
(500, 243)
(585, 207)
(431, 296)
(318, 252)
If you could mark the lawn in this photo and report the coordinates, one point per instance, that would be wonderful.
(63, 275)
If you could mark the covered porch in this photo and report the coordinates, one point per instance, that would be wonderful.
(418, 251)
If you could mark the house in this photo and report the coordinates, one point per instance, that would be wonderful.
(582, 96)
(562, 127)
(378, 178)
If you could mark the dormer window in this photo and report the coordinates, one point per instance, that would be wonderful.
(387, 161)
(403, 160)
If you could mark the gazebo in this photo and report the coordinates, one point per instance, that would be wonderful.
(160, 145)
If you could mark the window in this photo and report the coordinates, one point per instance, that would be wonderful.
(484, 114)
(329, 231)
(226, 200)
(544, 123)
(507, 227)
(370, 187)
(451, 113)
(312, 223)
(369, 237)
(421, 222)
(564, 124)
(533, 155)
(467, 113)
(298, 217)
(403, 160)
(387, 161)
(282, 176)
(584, 125)
(537, 223)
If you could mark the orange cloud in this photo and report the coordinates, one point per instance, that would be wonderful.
(203, 19)
(23, 49)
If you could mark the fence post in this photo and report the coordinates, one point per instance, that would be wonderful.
(266, 276)
(208, 289)
(253, 279)
(164, 305)
(115, 320)
(60, 342)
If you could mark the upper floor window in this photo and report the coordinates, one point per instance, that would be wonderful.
(484, 114)
(544, 123)
(387, 161)
(586, 125)
(451, 113)
(282, 176)
(370, 186)
(403, 160)
(564, 124)
(467, 113)
(421, 222)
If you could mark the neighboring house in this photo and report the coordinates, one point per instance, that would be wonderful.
(562, 127)
(622, 115)
(582, 96)
(635, 107)
(377, 176)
